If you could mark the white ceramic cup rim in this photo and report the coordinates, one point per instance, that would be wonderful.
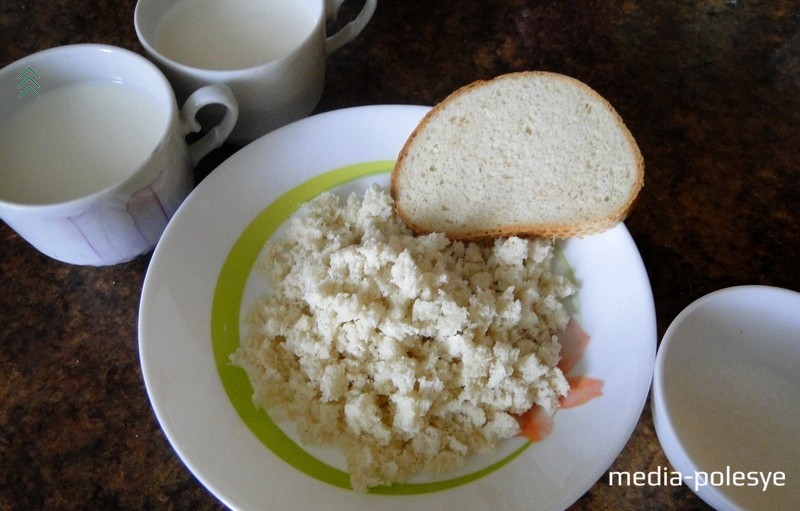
(669, 436)
(222, 74)
(110, 190)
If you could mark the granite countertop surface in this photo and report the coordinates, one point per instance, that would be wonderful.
(710, 90)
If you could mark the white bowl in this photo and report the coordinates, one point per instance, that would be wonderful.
(726, 398)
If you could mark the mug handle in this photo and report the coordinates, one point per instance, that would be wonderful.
(352, 29)
(210, 94)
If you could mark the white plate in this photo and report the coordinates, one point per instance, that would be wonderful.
(199, 283)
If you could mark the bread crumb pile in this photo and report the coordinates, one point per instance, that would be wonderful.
(407, 352)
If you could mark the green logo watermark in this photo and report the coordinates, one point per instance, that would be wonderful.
(28, 82)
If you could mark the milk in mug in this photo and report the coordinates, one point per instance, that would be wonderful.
(232, 34)
(77, 140)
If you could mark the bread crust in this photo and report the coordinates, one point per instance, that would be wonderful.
(584, 228)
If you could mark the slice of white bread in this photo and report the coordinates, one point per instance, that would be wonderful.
(529, 153)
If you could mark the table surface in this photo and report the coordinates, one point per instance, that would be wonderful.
(710, 90)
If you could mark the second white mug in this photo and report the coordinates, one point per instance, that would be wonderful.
(271, 53)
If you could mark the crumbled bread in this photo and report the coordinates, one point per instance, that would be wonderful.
(407, 352)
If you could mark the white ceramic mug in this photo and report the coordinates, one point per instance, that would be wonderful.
(93, 156)
(273, 62)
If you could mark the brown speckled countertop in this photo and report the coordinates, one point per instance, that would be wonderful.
(710, 89)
